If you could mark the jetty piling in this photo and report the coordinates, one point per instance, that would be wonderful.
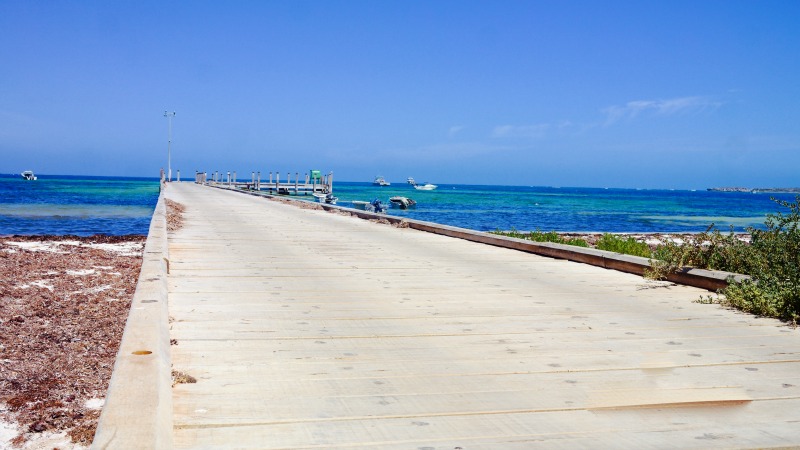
(313, 182)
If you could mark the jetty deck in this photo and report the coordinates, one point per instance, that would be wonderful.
(307, 329)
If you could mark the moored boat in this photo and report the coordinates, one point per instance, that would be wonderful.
(28, 175)
(423, 186)
(325, 198)
(374, 206)
(402, 202)
(380, 181)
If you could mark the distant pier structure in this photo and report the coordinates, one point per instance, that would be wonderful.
(311, 182)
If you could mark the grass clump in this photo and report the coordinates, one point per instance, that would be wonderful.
(707, 250)
(540, 236)
(772, 259)
(625, 245)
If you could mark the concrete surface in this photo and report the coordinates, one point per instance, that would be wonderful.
(138, 408)
(306, 329)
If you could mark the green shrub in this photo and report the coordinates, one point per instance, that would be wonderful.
(626, 245)
(772, 259)
(539, 236)
(707, 250)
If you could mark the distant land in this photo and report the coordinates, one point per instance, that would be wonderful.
(756, 190)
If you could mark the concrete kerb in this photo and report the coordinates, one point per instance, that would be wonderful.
(138, 407)
(712, 280)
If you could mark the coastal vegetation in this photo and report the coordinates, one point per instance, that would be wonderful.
(540, 236)
(611, 242)
(626, 245)
(771, 259)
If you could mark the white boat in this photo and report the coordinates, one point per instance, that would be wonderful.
(380, 181)
(373, 206)
(402, 202)
(421, 187)
(325, 198)
(28, 175)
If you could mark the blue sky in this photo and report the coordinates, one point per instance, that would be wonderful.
(672, 94)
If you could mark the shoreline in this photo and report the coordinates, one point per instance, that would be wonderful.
(651, 239)
(63, 306)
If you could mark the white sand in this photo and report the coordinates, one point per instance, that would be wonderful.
(79, 273)
(36, 441)
(122, 248)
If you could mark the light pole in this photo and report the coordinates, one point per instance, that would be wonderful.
(169, 116)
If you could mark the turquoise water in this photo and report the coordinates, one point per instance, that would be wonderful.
(82, 206)
(62, 205)
(488, 208)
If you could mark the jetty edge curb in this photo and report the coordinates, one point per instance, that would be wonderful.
(712, 280)
(138, 409)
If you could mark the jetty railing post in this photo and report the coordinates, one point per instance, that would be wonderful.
(252, 180)
(234, 178)
(296, 181)
(229, 178)
(330, 182)
(178, 177)
(258, 182)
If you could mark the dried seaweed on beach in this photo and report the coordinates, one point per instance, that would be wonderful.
(175, 212)
(339, 212)
(63, 306)
(299, 203)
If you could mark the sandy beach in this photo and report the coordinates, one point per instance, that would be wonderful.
(63, 305)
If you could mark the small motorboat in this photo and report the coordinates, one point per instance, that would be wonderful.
(421, 187)
(359, 204)
(28, 175)
(402, 202)
(375, 206)
(380, 181)
(378, 206)
(325, 198)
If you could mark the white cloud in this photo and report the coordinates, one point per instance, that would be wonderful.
(525, 131)
(454, 130)
(679, 105)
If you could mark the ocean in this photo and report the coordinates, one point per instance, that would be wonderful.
(81, 205)
(76, 205)
(570, 209)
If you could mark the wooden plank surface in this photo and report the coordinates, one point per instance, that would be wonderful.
(307, 329)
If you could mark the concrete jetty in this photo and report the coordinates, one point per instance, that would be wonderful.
(307, 329)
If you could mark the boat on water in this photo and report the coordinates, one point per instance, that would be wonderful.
(401, 202)
(421, 187)
(28, 175)
(375, 206)
(380, 181)
(325, 198)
